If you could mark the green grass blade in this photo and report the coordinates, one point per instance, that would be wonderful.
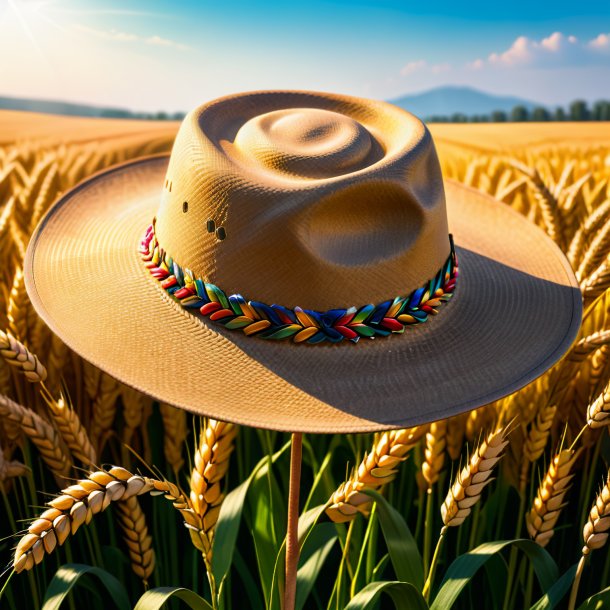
(404, 595)
(598, 601)
(465, 567)
(314, 554)
(229, 519)
(307, 521)
(227, 528)
(68, 576)
(157, 598)
(402, 547)
(557, 592)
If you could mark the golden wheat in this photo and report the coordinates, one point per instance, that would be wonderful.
(473, 478)
(17, 355)
(78, 503)
(74, 434)
(211, 461)
(11, 468)
(41, 433)
(434, 452)
(103, 411)
(136, 536)
(549, 501)
(174, 424)
(378, 468)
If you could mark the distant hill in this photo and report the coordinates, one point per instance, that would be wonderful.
(69, 109)
(446, 101)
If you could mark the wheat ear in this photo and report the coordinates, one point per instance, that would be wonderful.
(456, 430)
(377, 469)
(594, 533)
(103, 409)
(174, 436)
(211, 461)
(547, 202)
(598, 412)
(41, 433)
(78, 503)
(472, 479)
(136, 536)
(11, 468)
(17, 355)
(434, 452)
(549, 501)
(71, 429)
(467, 489)
(18, 304)
(598, 281)
(133, 411)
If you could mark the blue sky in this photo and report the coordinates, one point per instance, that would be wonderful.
(174, 55)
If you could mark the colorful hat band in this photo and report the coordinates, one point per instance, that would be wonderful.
(300, 325)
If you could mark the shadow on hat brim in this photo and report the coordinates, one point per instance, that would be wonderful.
(516, 310)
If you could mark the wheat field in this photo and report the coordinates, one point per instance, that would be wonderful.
(507, 506)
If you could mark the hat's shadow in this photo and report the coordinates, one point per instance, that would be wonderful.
(502, 329)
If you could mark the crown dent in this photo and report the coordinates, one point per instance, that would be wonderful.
(327, 200)
(306, 142)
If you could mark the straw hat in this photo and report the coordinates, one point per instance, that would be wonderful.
(329, 214)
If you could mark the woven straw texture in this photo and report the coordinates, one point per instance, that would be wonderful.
(516, 309)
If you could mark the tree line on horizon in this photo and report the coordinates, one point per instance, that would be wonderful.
(578, 110)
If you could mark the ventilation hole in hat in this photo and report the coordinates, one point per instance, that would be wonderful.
(170, 186)
(221, 233)
(211, 226)
(185, 207)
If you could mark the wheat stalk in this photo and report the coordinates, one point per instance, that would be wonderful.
(133, 411)
(11, 468)
(434, 452)
(597, 282)
(211, 461)
(597, 251)
(78, 503)
(456, 430)
(71, 429)
(594, 533)
(536, 439)
(472, 479)
(136, 536)
(17, 355)
(598, 412)
(18, 307)
(377, 469)
(174, 436)
(41, 433)
(549, 501)
(466, 490)
(103, 411)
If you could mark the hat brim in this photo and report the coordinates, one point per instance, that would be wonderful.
(516, 310)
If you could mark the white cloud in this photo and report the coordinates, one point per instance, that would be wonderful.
(556, 50)
(120, 36)
(601, 43)
(412, 67)
(422, 65)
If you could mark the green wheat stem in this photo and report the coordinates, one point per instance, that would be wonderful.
(430, 578)
(428, 530)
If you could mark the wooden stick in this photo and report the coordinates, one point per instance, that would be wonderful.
(292, 537)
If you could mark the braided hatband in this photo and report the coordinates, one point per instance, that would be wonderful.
(300, 325)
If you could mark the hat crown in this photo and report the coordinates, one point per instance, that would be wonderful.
(310, 199)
